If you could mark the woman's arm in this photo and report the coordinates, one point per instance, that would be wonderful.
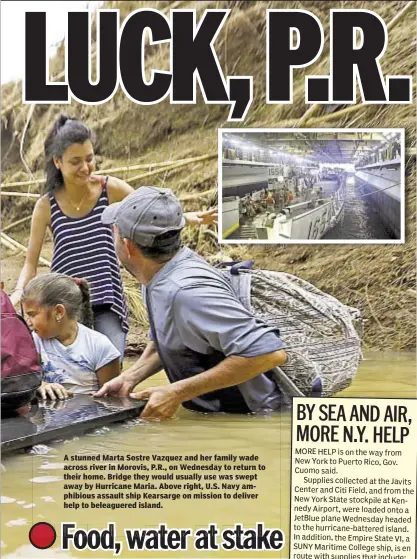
(207, 217)
(41, 218)
(118, 189)
(108, 372)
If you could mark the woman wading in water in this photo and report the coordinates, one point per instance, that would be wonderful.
(83, 246)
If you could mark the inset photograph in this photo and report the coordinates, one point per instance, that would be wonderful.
(311, 185)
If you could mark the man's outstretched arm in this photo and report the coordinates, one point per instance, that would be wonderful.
(163, 401)
(147, 365)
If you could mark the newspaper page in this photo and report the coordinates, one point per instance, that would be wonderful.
(208, 279)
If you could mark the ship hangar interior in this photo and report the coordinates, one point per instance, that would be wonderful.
(267, 175)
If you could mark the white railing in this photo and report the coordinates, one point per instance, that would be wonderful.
(379, 164)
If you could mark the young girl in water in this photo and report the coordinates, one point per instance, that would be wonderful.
(74, 358)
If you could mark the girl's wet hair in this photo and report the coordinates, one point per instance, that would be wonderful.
(58, 289)
(65, 132)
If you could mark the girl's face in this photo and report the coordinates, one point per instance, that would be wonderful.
(77, 163)
(45, 321)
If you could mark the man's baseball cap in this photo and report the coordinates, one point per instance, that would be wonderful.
(145, 214)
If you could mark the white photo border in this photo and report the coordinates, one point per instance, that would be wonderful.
(236, 130)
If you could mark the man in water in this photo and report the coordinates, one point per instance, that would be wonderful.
(216, 354)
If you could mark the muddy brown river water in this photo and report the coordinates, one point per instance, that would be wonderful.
(32, 485)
